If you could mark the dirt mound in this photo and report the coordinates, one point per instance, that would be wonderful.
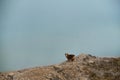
(84, 67)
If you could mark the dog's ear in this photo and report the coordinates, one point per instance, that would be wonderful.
(66, 54)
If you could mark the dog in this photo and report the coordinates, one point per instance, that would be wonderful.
(70, 57)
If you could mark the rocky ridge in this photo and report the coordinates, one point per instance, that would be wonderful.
(84, 67)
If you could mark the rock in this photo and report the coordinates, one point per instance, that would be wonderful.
(91, 61)
(85, 67)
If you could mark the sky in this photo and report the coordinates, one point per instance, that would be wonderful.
(39, 32)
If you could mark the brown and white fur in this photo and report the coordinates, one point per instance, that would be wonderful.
(70, 57)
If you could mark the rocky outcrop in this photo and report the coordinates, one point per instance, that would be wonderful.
(84, 67)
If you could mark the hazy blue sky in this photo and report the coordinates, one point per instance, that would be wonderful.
(39, 32)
